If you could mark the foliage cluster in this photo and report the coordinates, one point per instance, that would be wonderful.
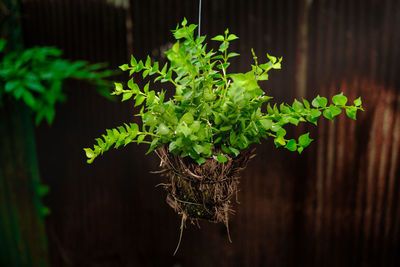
(213, 113)
(36, 77)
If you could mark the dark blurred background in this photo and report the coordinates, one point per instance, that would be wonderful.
(337, 204)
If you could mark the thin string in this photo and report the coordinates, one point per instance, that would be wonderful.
(199, 16)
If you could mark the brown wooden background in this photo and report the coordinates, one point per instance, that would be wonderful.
(335, 205)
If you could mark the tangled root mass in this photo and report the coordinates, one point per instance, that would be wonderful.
(202, 191)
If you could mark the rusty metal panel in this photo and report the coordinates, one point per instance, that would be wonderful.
(357, 171)
(335, 205)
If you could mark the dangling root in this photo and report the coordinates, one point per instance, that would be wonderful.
(226, 220)
(201, 192)
(180, 235)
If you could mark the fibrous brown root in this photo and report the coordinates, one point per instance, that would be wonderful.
(202, 191)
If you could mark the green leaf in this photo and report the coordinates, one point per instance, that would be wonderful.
(49, 114)
(153, 145)
(339, 100)
(266, 123)
(225, 149)
(305, 140)
(100, 142)
(154, 69)
(322, 101)
(195, 126)
(294, 121)
(131, 84)
(168, 75)
(270, 110)
(284, 109)
(121, 130)
(198, 148)
(118, 87)
(218, 57)
(140, 138)
(276, 127)
(223, 47)
(134, 130)
(29, 100)
(162, 129)
(225, 128)
(276, 111)
(358, 102)
(271, 58)
(335, 111)
(277, 65)
(146, 88)
(127, 95)
(145, 73)
(89, 153)
(124, 67)
(281, 132)
(35, 86)
(140, 66)
(291, 145)
(184, 22)
(173, 146)
(150, 98)
(319, 102)
(187, 118)
(186, 131)
(148, 62)
(219, 38)
(351, 112)
(263, 77)
(150, 119)
(230, 55)
(232, 37)
(279, 141)
(297, 106)
(235, 151)
(207, 148)
(306, 103)
(139, 100)
(179, 34)
(315, 113)
(221, 158)
(200, 160)
(135, 89)
(164, 69)
(11, 85)
(327, 114)
(133, 61)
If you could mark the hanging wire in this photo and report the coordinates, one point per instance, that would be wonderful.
(199, 16)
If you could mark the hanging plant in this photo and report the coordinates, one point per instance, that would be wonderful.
(203, 133)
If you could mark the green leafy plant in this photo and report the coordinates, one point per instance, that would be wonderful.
(212, 113)
(36, 77)
(203, 131)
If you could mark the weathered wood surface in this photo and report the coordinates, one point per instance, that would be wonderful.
(335, 205)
